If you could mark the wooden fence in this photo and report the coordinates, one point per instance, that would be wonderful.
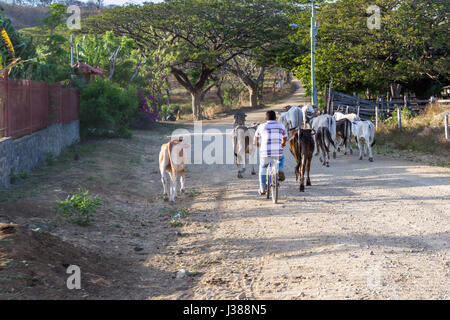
(381, 108)
(27, 106)
(368, 109)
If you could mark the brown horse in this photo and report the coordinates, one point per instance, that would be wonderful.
(301, 144)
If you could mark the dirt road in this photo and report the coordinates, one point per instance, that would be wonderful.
(363, 230)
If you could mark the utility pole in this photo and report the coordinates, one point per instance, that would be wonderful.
(313, 56)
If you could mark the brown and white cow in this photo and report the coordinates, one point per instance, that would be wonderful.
(172, 161)
(301, 144)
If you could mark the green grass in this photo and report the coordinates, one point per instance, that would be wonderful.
(80, 208)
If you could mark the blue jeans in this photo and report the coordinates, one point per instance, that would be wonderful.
(263, 164)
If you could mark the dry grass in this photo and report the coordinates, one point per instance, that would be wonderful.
(422, 134)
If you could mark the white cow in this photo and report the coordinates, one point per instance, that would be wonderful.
(171, 161)
(327, 121)
(291, 118)
(297, 117)
(364, 131)
(350, 116)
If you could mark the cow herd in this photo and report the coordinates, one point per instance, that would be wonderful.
(324, 133)
(308, 130)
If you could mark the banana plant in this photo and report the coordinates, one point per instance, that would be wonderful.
(14, 49)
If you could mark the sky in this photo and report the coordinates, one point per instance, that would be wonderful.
(122, 2)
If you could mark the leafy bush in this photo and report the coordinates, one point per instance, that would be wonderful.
(167, 109)
(79, 207)
(107, 109)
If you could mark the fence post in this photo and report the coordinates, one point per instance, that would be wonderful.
(358, 104)
(447, 132)
(399, 117)
(405, 101)
(6, 105)
(29, 105)
(376, 112)
(388, 100)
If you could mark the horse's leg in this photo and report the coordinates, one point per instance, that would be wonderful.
(296, 170)
(302, 174)
(308, 167)
(252, 161)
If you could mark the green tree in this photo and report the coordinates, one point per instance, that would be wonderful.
(194, 38)
(409, 50)
(56, 16)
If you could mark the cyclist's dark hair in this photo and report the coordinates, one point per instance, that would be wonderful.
(271, 115)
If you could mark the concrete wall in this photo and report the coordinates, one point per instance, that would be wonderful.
(30, 151)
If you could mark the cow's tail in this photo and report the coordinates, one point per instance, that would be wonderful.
(372, 131)
(322, 135)
(327, 135)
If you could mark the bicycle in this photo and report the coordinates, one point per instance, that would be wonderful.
(272, 179)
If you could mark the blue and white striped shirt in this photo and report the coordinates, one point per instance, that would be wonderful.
(271, 133)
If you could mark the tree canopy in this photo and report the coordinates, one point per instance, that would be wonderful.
(410, 49)
(194, 38)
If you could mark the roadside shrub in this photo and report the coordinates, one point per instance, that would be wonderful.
(107, 109)
(167, 109)
(79, 208)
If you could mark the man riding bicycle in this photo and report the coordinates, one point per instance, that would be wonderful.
(271, 138)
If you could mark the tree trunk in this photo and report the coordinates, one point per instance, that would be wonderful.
(168, 90)
(194, 90)
(395, 89)
(253, 92)
(260, 86)
(196, 109)
(288, 77)
(220, 96)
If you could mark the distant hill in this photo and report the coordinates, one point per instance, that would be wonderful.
(29, 16)
(23, 16)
